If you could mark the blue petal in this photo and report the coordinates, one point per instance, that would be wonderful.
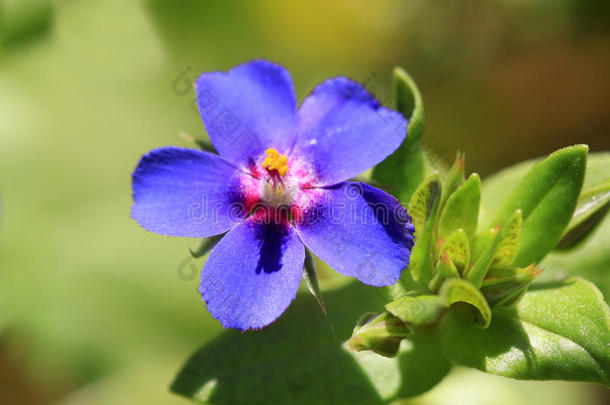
(360, 231)
(344, 131)
(186, 192)
(253, 274)
(250, 108)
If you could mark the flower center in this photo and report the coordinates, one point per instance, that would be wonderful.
(277, 190)
(275, 164)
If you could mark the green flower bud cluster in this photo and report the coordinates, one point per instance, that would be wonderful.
(452, 262)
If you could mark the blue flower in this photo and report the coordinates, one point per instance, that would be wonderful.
(278, 184)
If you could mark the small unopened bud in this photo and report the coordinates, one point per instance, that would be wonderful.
(381, 334)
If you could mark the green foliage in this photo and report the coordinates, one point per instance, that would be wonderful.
(547, 196)
(455, 177)
(528, 331)
(423, 208)
(462, 209)
(504, 286)
(503, 239)
(457, 250)
(416, 309)
(590, 256)
(457, 290)
(557, 331)
(401, 173)
(592, 206)
(469, 296)
(301, 359)
(508, 242)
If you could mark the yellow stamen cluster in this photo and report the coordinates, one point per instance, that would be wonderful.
(275, 162)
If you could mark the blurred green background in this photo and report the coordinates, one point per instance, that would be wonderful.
(95, 310)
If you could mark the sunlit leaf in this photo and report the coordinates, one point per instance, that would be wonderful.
(504, 286)
(479, 269)
(592, 206)
(547, 196)
(401, 172)
(457, 249)
(508, 244)
(591, 257)
(557, 331)
(423, 208)
(462, 209)
(458, 290)
(416, 309)
(455, 177)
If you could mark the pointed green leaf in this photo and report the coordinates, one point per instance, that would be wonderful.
(462, 209)
(592, 206)
(401, 172)
(494, 187)
(454, 178)
(482, 242)
(416, 309)
(590, 258)
(423, 208)
(445, 269)
(478, 271)
(508, 244)
(422, 202)
(457, 249)
(458, 290)
(504, 286)
(547, 196)
(557, 331)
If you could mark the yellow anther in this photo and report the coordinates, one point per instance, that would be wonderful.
(275, 162)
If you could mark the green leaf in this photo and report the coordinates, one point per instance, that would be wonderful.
(423, 201)
(457, 248)
(416, 309)
(445, 269)
(547, 196)
(401, 172)
(508, 243)
(482, 242)
(504, 286)
(457, 290)
(557, 331)
(462, 209)
(591, 259)
(592, 206)
(283, 362)
(477, 272)
(423, 208)
(455, 177)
